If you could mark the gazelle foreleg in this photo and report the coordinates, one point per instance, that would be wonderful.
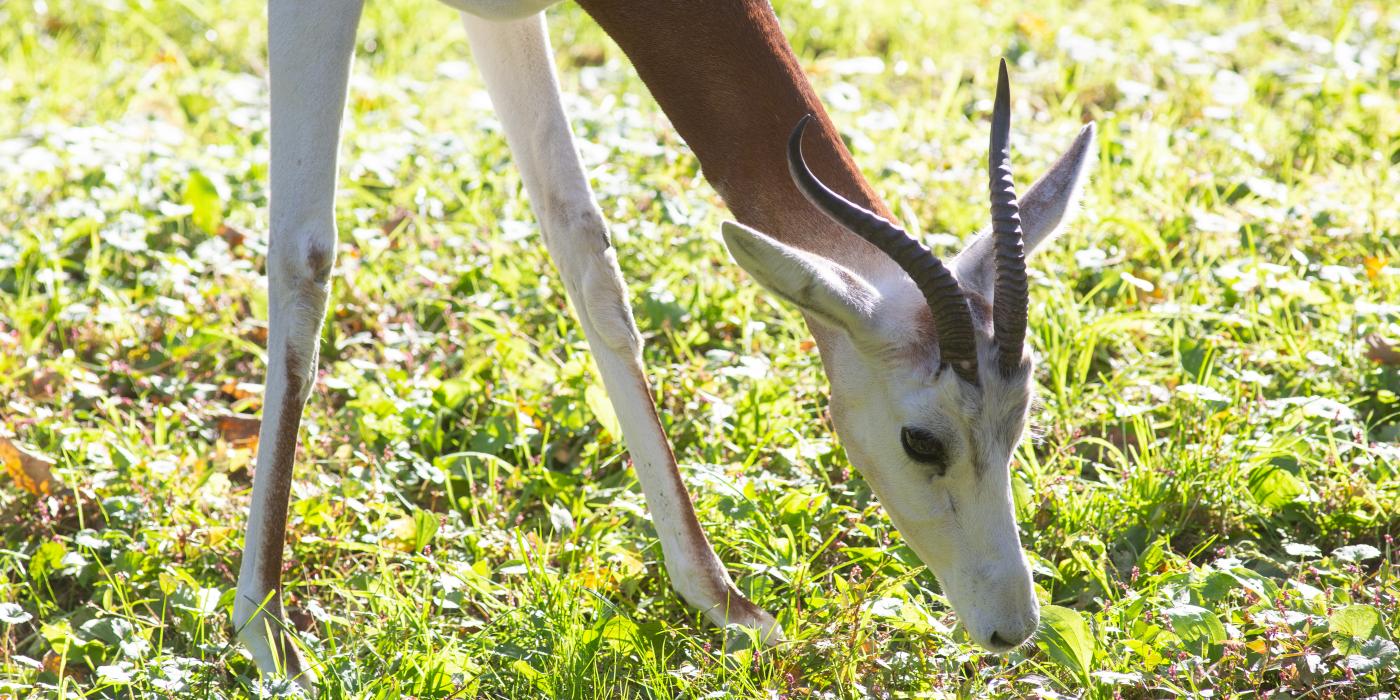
(310, 44)
(516, 63)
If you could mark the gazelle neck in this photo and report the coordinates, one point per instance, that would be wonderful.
(725, 76)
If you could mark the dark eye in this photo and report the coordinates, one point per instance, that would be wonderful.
(923, 446)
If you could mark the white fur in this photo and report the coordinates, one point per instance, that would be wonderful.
(825, 289)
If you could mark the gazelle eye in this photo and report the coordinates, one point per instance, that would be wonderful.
(923, 446)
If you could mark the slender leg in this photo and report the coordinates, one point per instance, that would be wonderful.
(518, 67)
(310, 44)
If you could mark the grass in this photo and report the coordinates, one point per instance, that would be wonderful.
(1210, 503)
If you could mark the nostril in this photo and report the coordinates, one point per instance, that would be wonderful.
(999, 642)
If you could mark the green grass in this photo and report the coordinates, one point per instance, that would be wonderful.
(1209, 504)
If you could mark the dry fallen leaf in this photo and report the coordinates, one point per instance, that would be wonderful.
(54, 663)
(1382, 351)
(232, 236)
(239, 431)
(43, 385)
(238, 391)
(238, 440)
(30, 469)
(395, 220)
(253, 331)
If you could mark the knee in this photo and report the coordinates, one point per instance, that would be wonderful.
(604, 301)
(301, 259)
(577, 238)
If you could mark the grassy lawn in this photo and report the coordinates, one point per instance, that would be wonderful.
(1209, 501)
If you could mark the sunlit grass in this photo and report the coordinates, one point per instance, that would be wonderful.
(1209, 503)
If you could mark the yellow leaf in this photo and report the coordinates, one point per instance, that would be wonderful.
(1032, 25)
(1373, 266)
(401, 532)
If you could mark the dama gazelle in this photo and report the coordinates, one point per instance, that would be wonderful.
(889, 318)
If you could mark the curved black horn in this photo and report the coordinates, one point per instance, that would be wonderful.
(1010, 301)
(951, 318)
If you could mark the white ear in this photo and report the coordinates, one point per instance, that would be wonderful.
(1046, 207)
(829, 292)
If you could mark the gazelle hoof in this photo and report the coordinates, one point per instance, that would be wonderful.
(742, 612)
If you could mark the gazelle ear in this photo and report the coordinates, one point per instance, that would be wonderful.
(1045, 208)
(829, 292)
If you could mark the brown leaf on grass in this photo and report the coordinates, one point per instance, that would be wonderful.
(1382, 351)
(395, 220)
(55, 663)
(232, 236)
(238, 440)
(239, 391)
(30, 469)
(254, 331)
(43, 384)
(239, 431)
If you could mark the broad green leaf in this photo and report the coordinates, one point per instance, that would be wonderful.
(204, 196)
(1354, 624)
(47, 558)
(1274, 487)
(1022, 495)
(114, 674)
(1195, 624)
(452, 393)
(1356, 553)
(1118, 678)
(1064, 635)
(620, 631)
(1218, 585)
(1375, 654)
(13, 614)
(1148, 656)
(1302, 551)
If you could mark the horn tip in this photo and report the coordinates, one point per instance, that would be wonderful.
(803, 122)
(1003, 98)
(795, 140)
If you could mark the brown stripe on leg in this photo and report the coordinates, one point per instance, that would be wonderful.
(269, 564)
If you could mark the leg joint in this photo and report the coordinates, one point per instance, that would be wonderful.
(302, 257)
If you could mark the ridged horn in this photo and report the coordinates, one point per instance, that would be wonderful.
(951, 318)
(1010, 300)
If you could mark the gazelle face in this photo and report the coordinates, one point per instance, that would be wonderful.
(937, 452)
(930, 373)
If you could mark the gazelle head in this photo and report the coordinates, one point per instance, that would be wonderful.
(930, 374)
